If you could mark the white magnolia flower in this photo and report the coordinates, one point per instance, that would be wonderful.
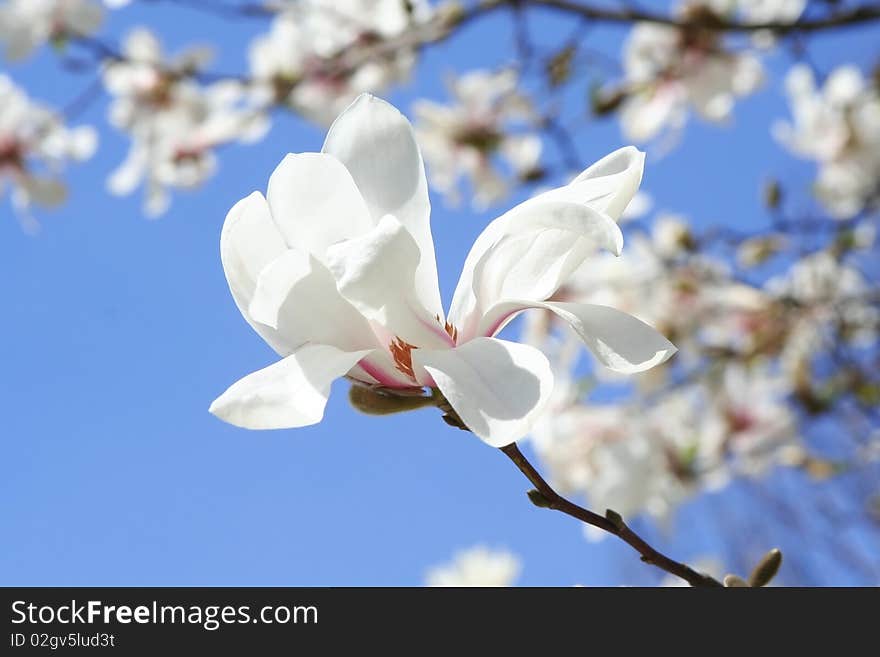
(25, 25)
(477, 566)
(310, 57)
(175, 123)
(670, 71)
(464, 140)
(34, 146)
(335, 269)
(838, 126)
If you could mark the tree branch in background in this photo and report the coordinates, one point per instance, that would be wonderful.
(863, 14)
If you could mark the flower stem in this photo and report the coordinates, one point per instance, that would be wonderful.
(545, 497)
(611, 522)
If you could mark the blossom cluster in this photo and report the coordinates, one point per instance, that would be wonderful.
(175, 123)
(837, 126)
(25, 25)
(671, 71)
(316, 56)
(35, 145)
(313, 61)
(755, 357)
(465, 139)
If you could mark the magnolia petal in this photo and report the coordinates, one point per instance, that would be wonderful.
(377, 145)
(379, 368)
(498, 388)
(607, 186)
(297, 296)
(315, 202)
(290, 393)
(248, 242)
(619, 341)
(528, 253)
(376, 273)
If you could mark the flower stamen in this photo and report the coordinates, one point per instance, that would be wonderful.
(450, 329)
(401, 351)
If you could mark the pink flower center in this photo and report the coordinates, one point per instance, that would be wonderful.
(740, 420)
(11, 153)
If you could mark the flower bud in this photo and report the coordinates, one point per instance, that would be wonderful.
(538, 498)
(735, 582)
(766, 569)
(374, 402)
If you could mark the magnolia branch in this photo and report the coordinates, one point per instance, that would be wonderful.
(452, 16)
(449, 18)
(546, 497)
(624, 14)
(862, 14)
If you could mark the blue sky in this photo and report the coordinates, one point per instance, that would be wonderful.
(120, 331)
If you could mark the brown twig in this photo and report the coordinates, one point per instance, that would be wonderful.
(862, 14)
(447, 22)
(545, 497)
(611, 522)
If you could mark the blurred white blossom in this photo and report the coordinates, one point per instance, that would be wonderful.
(604, 454)
(727, 411)
(488, 120)
(640, 457)
(477, 567)
(671, 71)
(34, 147)
(838, 126)
(770, 11)
(640, 205)
(174, 122)
(313, 57)
(26, 25)
(831, 299)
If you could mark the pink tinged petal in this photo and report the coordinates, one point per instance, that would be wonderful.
(297, 296)
(528, 253)
(249, 241)
(618, 340)
(607, 186)
(498, 388)
(377, 145)
(290, 393)
(381, 369)
(315, 202)
(376, 273)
